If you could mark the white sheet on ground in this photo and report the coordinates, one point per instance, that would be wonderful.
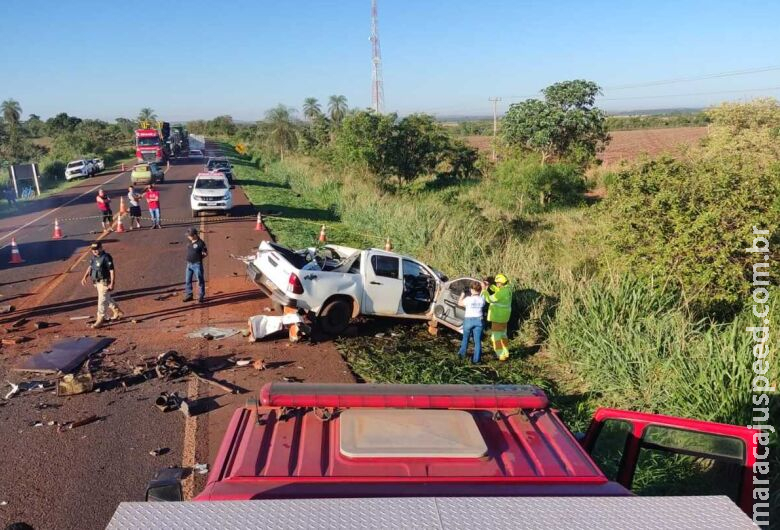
(263, 325)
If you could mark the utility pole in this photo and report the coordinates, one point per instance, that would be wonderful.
(495, 101)
(377, 88)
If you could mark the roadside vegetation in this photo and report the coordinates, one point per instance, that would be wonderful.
(637, 301)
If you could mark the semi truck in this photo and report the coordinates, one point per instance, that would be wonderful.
(178, 142)
(455, 456)
(153, 144)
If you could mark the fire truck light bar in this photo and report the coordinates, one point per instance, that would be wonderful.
(403, 396)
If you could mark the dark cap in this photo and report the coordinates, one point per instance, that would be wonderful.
(97, 245)
(192, 231)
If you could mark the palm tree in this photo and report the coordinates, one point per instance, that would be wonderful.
(146, 115)
(282, 132)
(12, 112)
(337, 108)
(311, 108)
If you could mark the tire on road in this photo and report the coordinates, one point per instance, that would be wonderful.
(335, 316)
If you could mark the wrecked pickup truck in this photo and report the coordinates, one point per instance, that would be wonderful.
(335, 284)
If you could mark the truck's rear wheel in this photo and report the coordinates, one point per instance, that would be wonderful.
(335, 317)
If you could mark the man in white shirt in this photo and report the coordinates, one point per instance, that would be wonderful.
(472, 325)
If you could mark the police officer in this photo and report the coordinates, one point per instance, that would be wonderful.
(196, 251)
(101, 272)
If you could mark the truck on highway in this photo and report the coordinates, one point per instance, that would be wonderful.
(179, 142)
(335, 284)
(152, 145)
(399, 456)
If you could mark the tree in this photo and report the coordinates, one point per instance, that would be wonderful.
(61, 123)
(337, 108)
(281, 132)
(221, 126)
(146, 115)
(34, 126)
(12, 112)
(566, 125)
(311, 109)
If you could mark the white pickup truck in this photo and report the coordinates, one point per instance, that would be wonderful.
(334, 284)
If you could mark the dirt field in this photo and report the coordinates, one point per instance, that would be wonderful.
(628, 145)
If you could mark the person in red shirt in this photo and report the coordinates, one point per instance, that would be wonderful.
(152, 197)
(104, 205)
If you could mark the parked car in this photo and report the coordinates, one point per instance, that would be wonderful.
(221, 164)
(98, 164)
(335, 284)
(211, 193)
(195, 154)
(80, 168)
(146, 174)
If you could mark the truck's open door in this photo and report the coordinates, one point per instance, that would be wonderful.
(446, 309)
(652, 454)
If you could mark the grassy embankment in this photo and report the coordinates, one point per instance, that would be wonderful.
(586, 332)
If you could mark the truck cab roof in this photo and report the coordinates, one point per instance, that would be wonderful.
(334, 440)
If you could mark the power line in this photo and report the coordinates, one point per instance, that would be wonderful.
(696, 78)
(695, 93)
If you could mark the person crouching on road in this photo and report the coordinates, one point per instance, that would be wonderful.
(101, 272)
(499, 296)
(133, 199)
(196, 251)
(104, 205)
(472, 325)
(152, 197)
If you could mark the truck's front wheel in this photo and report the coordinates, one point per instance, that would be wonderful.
(335, 317)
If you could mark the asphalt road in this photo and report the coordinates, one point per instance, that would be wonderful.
(76, 478)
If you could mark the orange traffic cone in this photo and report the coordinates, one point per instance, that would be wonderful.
(323, 237)
(260, 226)
(122, 207)
(16, 257)
(388, 245)
(119, 227)
(57, 230)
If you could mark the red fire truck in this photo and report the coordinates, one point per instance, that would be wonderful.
(394, 456)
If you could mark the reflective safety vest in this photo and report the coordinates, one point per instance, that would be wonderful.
(500, 300)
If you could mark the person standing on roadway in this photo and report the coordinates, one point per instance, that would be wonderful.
(104, 205)
(472, 324)
(152, 197)
(196, 251)
(499, 296)
(101, 272)
(135, 208)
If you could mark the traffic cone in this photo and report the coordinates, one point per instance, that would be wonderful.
(122, 207)
(57, 230)
(119, 227)
(323, 237)
(388, 245)
(260, 226)
(16, 257)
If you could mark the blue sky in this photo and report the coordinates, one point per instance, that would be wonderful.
(198, 59)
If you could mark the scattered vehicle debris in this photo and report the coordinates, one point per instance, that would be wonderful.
(78, 423)
(261, 326)
(171, 365)
(159, 451)
(210, 333)
(5, 309)
(167, 402)
(41, 325)
(82, 317)
(14, 340)
(226, 388)
(243, 362)
(19, 323)
(259, 364)
(72, 384)
(201, 469)
(65, 356)
(14, 390)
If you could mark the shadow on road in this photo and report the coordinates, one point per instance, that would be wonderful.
(39, 252)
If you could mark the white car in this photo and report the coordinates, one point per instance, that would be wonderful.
(99, 164)
(335, 284)
(211, 193)
(80, 168)
(195, 154)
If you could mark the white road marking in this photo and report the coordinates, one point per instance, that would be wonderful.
(48, 213)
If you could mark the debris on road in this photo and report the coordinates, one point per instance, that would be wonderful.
(14, 340)
(159, 451)
(243, 362)
(259, 364)
(210, 333)
(167, 402)
(201, 469)
(65, 356)
(171, 365)
(83, 317)
(19, 323)
(5, 309)
(261, 326)
(226, 388)
(71, 385)
(14, 390)
(41, 325)
(78, 423)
